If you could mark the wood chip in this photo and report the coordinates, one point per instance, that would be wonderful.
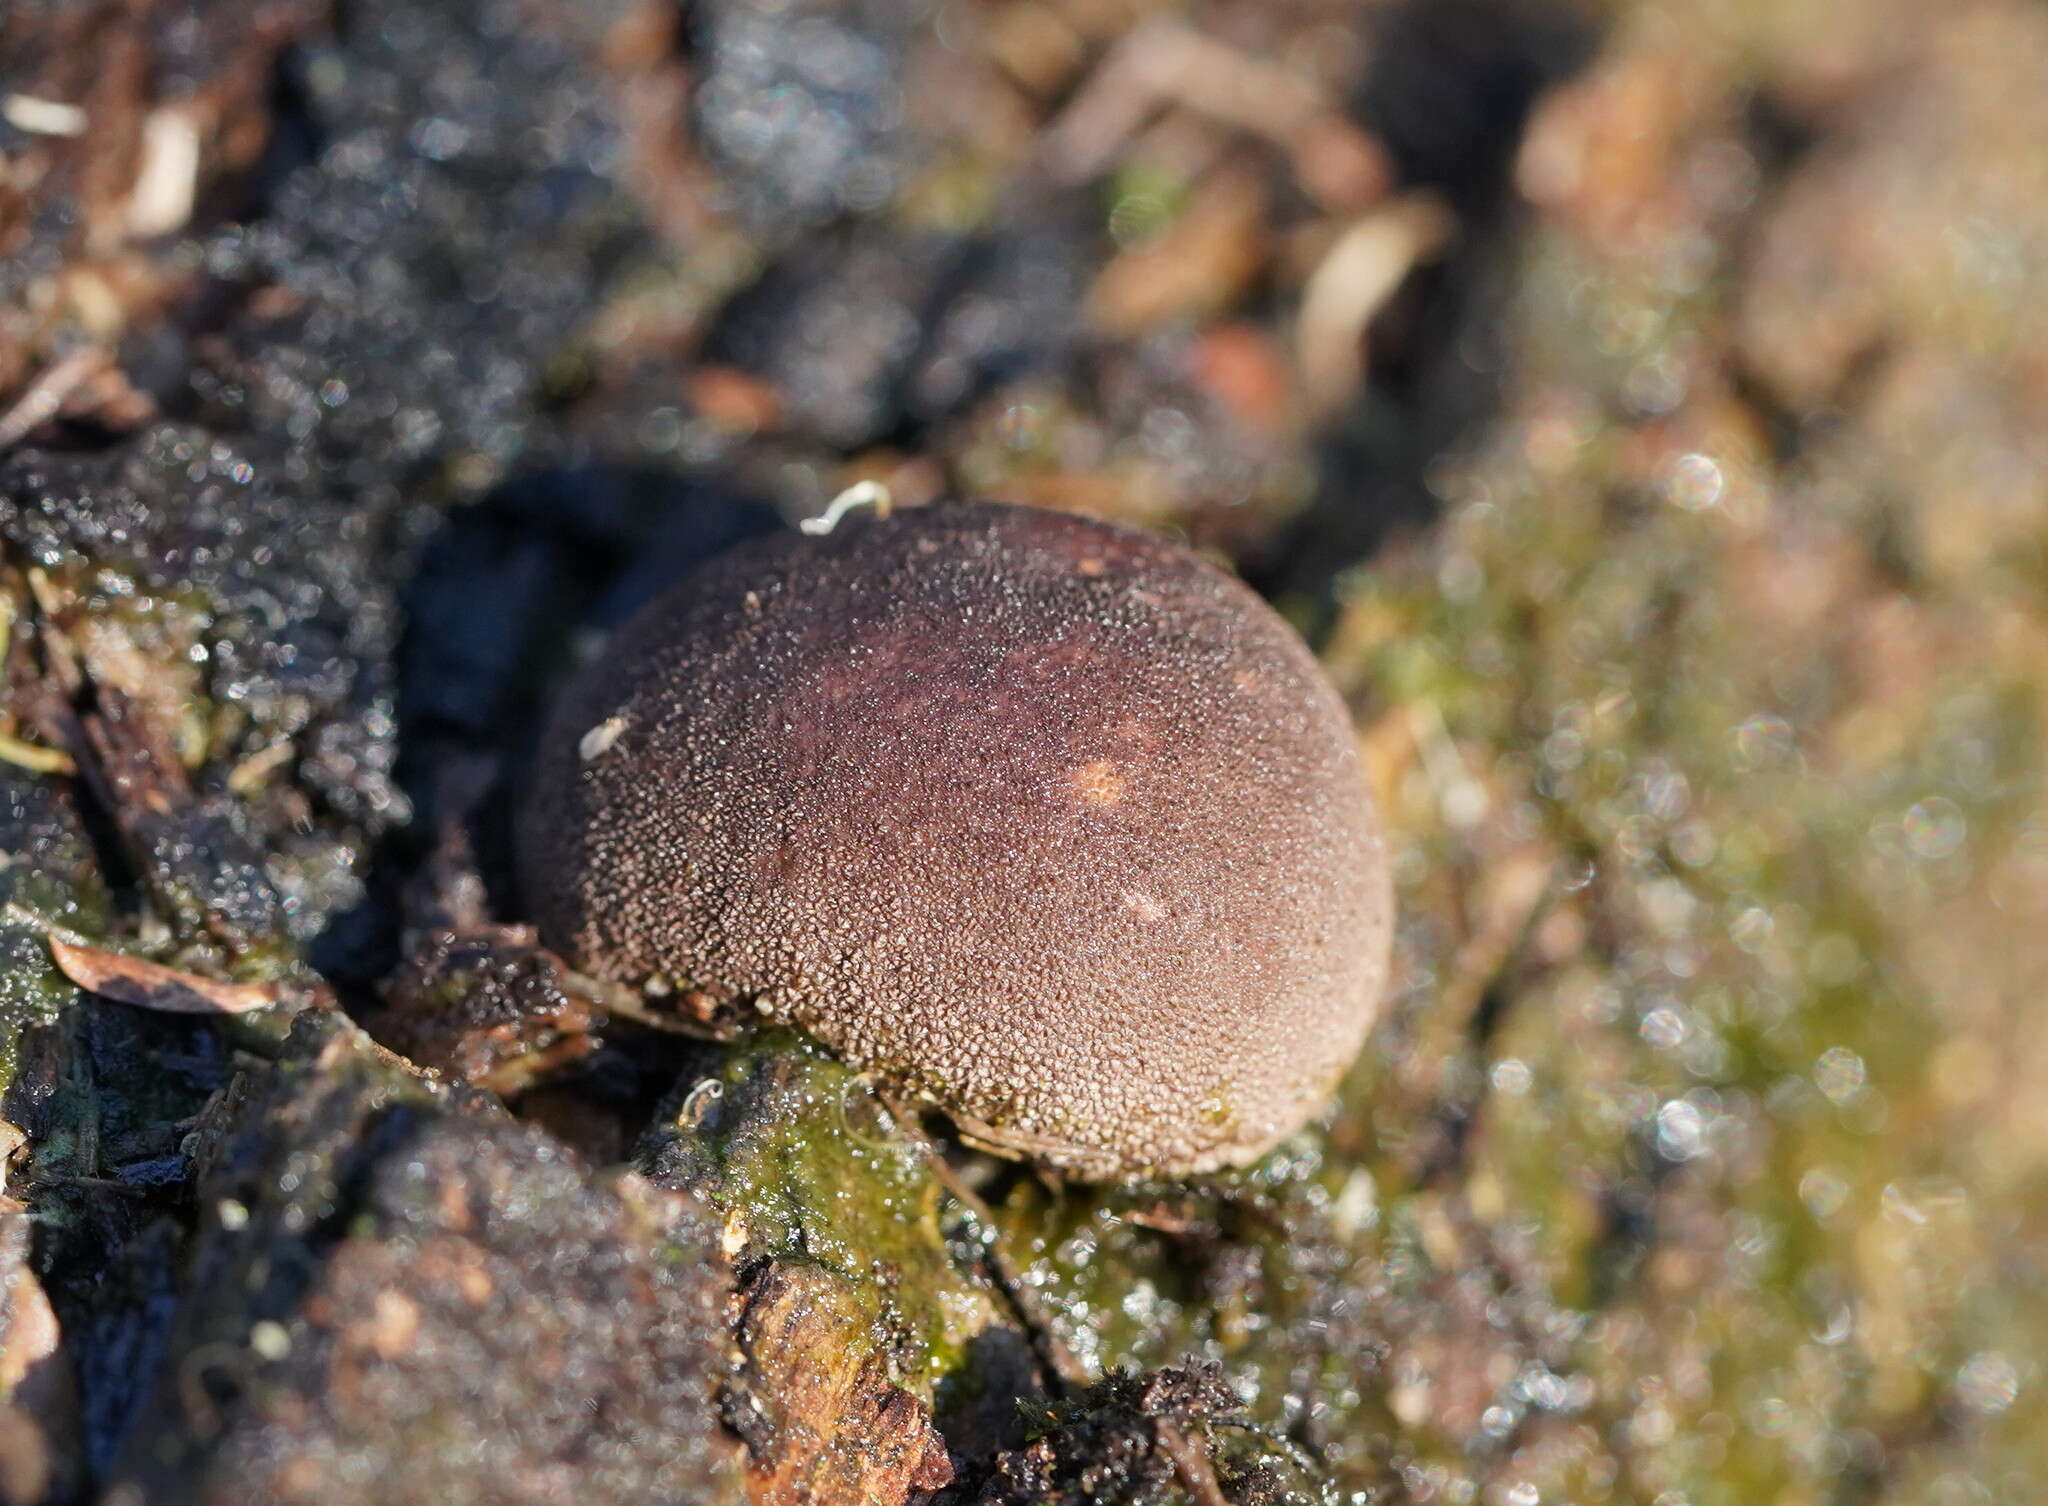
(835, 1427)
(151, 985)
(168, 182)
(42, 117)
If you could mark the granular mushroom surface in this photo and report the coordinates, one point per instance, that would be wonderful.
(1045, 822)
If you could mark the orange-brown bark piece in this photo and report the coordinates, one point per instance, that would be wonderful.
(829, 1428)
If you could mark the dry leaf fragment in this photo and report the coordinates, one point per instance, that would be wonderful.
(151, 985)
(1353, 282)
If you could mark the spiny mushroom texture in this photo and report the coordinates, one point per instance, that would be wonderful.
(1047, 823)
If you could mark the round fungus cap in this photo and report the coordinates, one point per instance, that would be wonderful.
(1047, 823)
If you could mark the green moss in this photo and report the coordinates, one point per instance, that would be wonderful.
(805, 1162)
(1247, 1270)
(1142, 199)
(1727, 1107)
(49, 881)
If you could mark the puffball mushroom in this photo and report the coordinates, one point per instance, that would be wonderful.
(1045, 823)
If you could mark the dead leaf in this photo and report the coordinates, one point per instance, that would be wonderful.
(1197, 266)
(151, 985)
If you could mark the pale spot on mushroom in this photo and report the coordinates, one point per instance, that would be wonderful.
(599, 739)
(1092, 565)
(1098, 782)
(1130, 731)
(1144, 906)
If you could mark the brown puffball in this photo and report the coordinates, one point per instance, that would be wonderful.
(1045, 822)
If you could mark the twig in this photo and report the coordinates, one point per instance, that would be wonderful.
(1166, 62)
(1522, 888)
(248, 776)
(36, 758)
(1190, 1462)
(48, 392)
